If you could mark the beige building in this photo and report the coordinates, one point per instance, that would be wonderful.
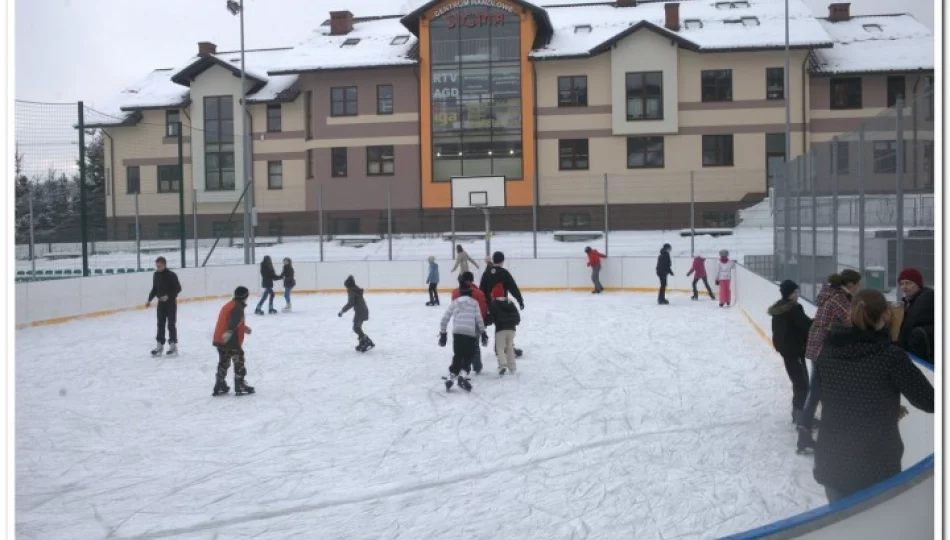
(652, 102)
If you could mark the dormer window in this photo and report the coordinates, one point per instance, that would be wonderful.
(723, 5)
(875, 28)
(750, 21)
(350, 42)
(732, 22)
(732, 5)
(693, 24)
(399, 40)
(582, 29)
(740, 4)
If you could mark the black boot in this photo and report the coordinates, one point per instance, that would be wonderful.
(241, 387)
(519, 353)
(220, 387)
(258, 311)
(806, 444)
(464, 383)
(272, 311)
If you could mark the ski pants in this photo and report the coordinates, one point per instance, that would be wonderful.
(434, 293)
(287, 294)
(167, 313)
(505, 350)
(268, 295)
(595, 277)
(463, 349)
(706, 283)
(725, 291)
(814, 398)
(662, 295)
(358, 327)
(798, 375)
(225, 357)
(477, 359)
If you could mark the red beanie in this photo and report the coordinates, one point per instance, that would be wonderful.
(912, 274)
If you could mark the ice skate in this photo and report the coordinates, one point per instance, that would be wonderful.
(663, 302)
(241, 388)
(502, 370)
(430, 303)
(159, 347)
(258, 311)
(694, 297)
(172, 349)
(220, 388)
(286, 309)
(712, 297)
(806, 444)
(464, 383)
(448, 382)
(272, 311)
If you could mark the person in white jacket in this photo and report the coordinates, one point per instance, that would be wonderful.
(463, 260)
(467, 326)
(724, 278)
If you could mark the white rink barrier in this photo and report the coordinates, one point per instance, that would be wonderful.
(900, 507)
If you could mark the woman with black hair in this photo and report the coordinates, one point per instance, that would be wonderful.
(268, 276)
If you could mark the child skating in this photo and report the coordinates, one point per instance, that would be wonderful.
(355, 301)
(433, 282)
(268, 276)
(698, 271)
(506, 318)
(229, 340)
(289, 281)
(477, 295)
(724, 278)
(467, 327)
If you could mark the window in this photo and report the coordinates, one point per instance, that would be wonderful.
(168, 178)
(219, 143)
(575, 220)
(308, 114)
(573, 154)
(846, 93)
(572, 91)
(716, 85)
(379, 161)
(717, 151)
(399, 40)
(750, 21)
(843, 157)
(645, 96)
(168, 231)
(582, 29)
(350, 42)
(896, 89)
(384, 99)
(132, 180)
(774, 156)
(338, 162)
(716, 219)
(345, 226)
(343, 101)
(885, 157)
(309, 164)
(273, 118)
(693, 24)
(275, 175)
(172, 121)
(872, 28)
(644, 152)
(775, 83)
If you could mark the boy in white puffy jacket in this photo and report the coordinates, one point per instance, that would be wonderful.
(724, 278)
(466, 329)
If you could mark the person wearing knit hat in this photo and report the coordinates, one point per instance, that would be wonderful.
(724, 271)
(228, 339)
(916, 334)
(790, 327)
(467, 279)
(356, 302)
(468, 326)
(664, 269)
(506, 319)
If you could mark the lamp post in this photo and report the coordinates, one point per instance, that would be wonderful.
(236, 7)
(785, 191)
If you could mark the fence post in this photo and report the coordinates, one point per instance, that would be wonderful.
(452, 219)
(320, 217)
(834, 202)
(692, 214)
(32, 241)
(813, 176)
(181, 194)
(861, 134)
(787, 220)
(606, 215)
(389, 215)
(138, 239)
(534, 218)
(799, 180)
(899, 174)
(83, 233)
(194, 213)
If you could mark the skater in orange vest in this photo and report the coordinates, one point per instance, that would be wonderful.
(229, 340)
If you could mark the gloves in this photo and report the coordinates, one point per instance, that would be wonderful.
(671, 272)
(484, 339)
(226, 336)
(521, 305)
(443, 339)
(340, 314)
(247, 330)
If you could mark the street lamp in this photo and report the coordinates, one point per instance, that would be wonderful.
(236, 7)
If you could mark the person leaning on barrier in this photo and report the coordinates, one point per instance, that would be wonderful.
(916, 334)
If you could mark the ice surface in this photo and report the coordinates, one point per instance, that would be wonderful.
(877, 43)
(627, 420)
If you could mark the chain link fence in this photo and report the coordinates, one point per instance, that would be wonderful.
(863, 200)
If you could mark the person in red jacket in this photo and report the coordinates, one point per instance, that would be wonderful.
(698, 271)
(593, 261)
(468, 278)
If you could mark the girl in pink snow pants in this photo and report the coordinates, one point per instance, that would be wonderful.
(724, 278)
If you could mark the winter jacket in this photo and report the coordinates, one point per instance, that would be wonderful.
(433, 273)
(833, 305)
(354, 300)
(594, 257)
(698, 268)
(231, 317)
(164, 283)
(462, 260)
(478, 296)
(790, 328)
(467, 317)
(862, 377)
(664, 265)
(497, 282)
(918, 313)
(268, 276)
(504, 314)
(724, 270)
(288, 275)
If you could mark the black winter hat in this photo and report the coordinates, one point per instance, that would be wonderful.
(498, 257)
(666, 247)
(587, 249)
(466, 277)
(349, 282)
(787, 288)
(241, 293)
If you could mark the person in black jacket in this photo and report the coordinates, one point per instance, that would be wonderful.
(790, 328)
(289, 281)
(501, 280)
(917, 329)
(356, 302)
(664, 269)
(166, 288)
(268, 276)
(506, 318)
(862, 377)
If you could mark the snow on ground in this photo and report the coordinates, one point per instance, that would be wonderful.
(627, 420)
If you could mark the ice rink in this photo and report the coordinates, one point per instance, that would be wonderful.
(626, 420)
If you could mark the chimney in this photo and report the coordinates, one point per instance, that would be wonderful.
(672, 10)
(206, 48)
(626, 3)
(341, 23)
(839, 12)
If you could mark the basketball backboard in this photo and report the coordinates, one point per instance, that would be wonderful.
(478, 191)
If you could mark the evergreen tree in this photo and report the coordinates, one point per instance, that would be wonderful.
(95, 187)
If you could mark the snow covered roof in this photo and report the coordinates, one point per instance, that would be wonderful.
(712, 25)
(876, 43)
(259, 63)
(155, 91)
(373, 42)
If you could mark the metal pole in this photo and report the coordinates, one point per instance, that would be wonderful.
(83, 233)
(606, 215)
(534, 227)
(244, 146)
(32, 242)
(389, 215)
(138, 239)
(812, 177)
(692, 214)
(194, 213)
(786, 90)
(487, 232)
(834, 202)
(787, 220)
(452, 218)
(320, 217)
(900, 184)
(798, 216)
(181, 193)
(861, 200)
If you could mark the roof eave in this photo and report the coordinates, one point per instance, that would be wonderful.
(835, 73)
(183, 103)
(301, 71)
(754, 48)
(130, 120)
(187, 75)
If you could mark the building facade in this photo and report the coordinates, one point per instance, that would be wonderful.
(649, 104)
